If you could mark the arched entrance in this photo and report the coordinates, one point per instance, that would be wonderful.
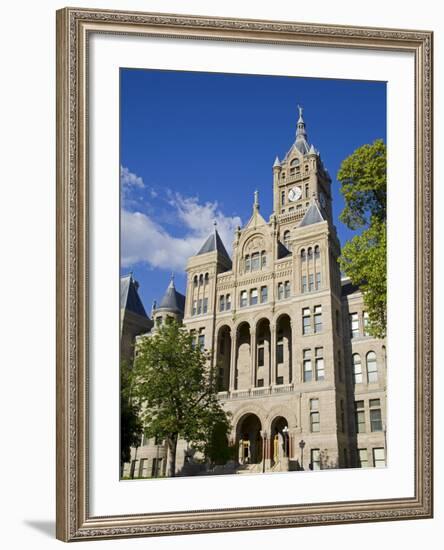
(248, 435)
(279, 441)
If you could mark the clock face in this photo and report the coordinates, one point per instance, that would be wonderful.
(294, 194)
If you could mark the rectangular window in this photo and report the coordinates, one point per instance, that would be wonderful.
(306, 321)
(280, 351)
(311, 282)
(205, 305)
(243, 298)
(379, 457)
(372, 368)
(319, 362)
(253, 297)
(318, 280)
(306, 190)
(156, 469)
(260, 383)
(360, 416)
(283, 198)
(342, 416)
(247, 263)
(280, 291)
(228, 302)
(375, 415)
(199, 307)
(315, 459)
(221, 303)
(304, 284)
(194, 307)
(143, 467)
(263, 259)
(201, 338)
(287, 289)
(260, 357)
(314, 416)
(362, 458)
(308, 370)
(264, 294)
(255, 261)
(365, 322)
(354, 325)
(318, 319)
(279, 380)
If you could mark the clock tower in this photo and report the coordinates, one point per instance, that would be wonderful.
(298, 179)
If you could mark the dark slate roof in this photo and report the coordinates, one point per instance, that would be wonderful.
(313, 215)
(129, 296)
(348, 288)
(212, 244)
(172, 300)
(283, 251)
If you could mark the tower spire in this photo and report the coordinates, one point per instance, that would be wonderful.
(300, 129)
(256, 200)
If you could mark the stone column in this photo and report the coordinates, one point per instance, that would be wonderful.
(273, 354)
(253, 353)
(233, 334)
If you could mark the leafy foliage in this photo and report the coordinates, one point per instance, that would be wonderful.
(176, 394)
(364, 259)
(130, 424)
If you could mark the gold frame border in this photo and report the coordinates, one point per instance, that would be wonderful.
(73, 521)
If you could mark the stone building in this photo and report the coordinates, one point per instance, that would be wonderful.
(294, 364)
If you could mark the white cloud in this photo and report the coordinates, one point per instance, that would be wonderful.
(128, 180)
(144, 240)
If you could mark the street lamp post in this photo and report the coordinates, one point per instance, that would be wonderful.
(301, 446)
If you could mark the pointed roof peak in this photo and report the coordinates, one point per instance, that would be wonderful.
(129, 295)
(172, 300)
(256, 200)
(276, 162)
(313, 214)
(214, 243)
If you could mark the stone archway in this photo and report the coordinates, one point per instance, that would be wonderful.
(279, 441)
(249, 438)
(223, 358)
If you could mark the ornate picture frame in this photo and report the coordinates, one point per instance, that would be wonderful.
(74, 29)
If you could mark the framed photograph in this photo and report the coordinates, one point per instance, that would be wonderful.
(244, 274)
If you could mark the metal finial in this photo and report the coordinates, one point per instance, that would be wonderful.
(300, 109)
(256, 199)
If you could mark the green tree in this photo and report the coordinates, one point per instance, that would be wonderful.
(130, 424)
(177, 397)
(363, 178)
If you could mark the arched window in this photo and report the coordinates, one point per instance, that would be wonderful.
(303, 255)
(372, 367)
(263, 259)
(287, 240)
(201, 279)
(317, 252)
(357, 369)
(207, 278)
(294, 162)
(310, 253)
(195, 280)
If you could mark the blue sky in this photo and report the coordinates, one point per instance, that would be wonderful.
(195, 146)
